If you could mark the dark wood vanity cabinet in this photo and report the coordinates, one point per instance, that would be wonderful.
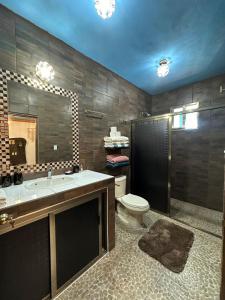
(43, 256)
(25, 262)
(54, 240)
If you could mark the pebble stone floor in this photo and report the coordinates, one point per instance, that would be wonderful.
(128, 273)
(200, 217)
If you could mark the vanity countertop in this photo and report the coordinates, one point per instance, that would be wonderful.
(32, 190)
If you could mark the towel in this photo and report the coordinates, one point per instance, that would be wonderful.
(117, 158)
(119, 139)
(116, 145)
(117, 165)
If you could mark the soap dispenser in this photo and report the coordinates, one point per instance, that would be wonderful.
(18, 177)
(76, 169)
(6, 180)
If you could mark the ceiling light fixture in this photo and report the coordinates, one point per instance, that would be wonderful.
(163, 68)
(45, 71)
(105, 8)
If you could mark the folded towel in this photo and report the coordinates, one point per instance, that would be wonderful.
(116, 145)
(117, 158)
(117, 165)
(116, 139)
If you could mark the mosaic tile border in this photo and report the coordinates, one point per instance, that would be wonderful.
(5, 76)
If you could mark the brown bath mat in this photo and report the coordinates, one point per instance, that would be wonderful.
(168, 243)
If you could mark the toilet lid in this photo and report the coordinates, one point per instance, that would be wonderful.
(134, 201)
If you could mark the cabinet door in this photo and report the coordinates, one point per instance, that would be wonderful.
(25, 263)
(77, 239)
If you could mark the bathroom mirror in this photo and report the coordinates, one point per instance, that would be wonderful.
(40, 126)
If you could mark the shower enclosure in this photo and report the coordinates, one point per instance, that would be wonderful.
(149, 161)
(178, 165)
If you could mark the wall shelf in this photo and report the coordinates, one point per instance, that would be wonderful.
(114, 148)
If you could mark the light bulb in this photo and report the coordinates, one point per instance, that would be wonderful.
(105, 8)
(45, 71)
(163, 68)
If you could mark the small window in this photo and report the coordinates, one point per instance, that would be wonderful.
(184, 118)
(191, 120)
(178, 121)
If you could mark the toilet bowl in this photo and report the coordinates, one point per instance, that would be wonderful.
(130, 208)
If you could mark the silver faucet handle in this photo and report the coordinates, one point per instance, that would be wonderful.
(49, 172)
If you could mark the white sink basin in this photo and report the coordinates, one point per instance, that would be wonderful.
(49, 183)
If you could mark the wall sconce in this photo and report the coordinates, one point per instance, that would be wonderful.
(45, 71)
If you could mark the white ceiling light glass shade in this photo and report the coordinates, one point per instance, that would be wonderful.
(163, 68)
(105, 8)
(45, 71)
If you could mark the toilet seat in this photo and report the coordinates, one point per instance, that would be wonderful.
(134, 202)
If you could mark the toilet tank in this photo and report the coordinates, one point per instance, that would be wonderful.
(120, 186)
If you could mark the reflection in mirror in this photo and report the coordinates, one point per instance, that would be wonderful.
(22, 139)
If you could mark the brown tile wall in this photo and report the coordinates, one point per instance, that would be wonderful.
(197, 155)
(23, 45)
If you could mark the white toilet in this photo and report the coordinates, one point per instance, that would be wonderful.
(130, 208)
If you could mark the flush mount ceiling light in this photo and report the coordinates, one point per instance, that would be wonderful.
(163, 68)
(105, 8)
(45, 71)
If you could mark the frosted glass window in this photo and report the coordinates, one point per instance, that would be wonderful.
(185, 117)
(178, 121)
(191, 120)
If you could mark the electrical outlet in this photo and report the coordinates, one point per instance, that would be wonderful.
(55, 147)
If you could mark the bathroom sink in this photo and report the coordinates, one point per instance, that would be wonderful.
(42, 184)
(61, 180)
(49, 183)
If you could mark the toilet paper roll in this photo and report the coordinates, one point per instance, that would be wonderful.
(113, 129)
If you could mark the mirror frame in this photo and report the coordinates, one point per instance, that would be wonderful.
(5, 166)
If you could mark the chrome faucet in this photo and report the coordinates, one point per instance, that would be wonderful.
(49, 173)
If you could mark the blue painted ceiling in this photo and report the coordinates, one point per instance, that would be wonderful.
(191, 33)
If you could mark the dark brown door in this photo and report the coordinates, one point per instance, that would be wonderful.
(150, 162)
